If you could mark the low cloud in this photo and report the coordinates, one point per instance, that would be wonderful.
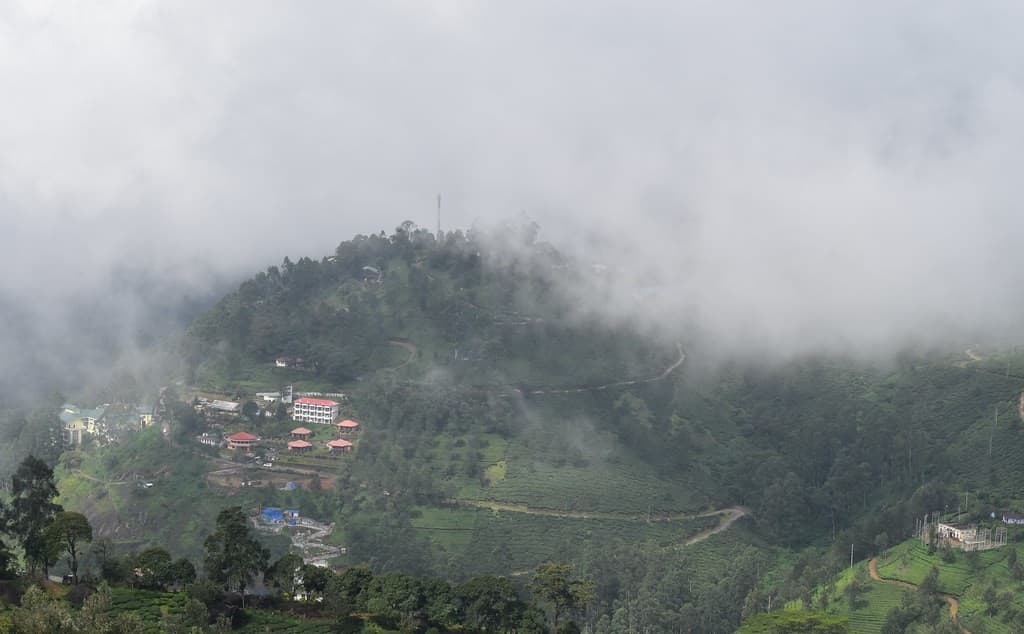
(804, 176)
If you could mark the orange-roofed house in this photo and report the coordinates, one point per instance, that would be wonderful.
(315, 410)
(242, 440)
(339, 446)
(301, 433)
(299, 446)
(347, 427)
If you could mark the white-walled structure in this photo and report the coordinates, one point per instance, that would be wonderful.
(315, 410)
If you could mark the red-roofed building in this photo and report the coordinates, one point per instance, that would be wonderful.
(315, 410)
(301, 433)
(347, 427)
(299, 445)
(242, 440)
(339, 446)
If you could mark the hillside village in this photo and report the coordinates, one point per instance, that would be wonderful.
(225, 422)
(287, 440)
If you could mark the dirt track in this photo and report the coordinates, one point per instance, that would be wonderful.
(954, 604)
(729, 515)
(408, 345)
(596, 388)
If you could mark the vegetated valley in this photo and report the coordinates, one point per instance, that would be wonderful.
(515, 463)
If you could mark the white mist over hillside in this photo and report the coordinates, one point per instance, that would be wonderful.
(805, 175)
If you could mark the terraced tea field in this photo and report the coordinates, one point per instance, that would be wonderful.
(603, 485)
(489, 542)
(910, 562)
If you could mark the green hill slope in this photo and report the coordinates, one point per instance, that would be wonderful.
(481, 380)
(985, 587)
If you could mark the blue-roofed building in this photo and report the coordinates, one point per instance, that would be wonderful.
(271, 515)
(291, 517)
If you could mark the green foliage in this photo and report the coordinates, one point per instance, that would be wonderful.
(553, 586)
(794, 622)
(348, 592)
(156, 568)
(32, 509)
(315, 580)
(66, 531)
(489, 603)
(285, 574)
(41, 613)
(233, 555)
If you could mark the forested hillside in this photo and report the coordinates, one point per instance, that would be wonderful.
(507, 423)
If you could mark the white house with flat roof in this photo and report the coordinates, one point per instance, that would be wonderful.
(315, 410)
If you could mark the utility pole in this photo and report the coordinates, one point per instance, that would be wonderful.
(851, 555)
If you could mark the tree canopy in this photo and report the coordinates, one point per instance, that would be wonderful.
(32, 509)
(66, 532)
(233, 555)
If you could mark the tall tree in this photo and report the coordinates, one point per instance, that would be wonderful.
(348, 592)
(285, 574)
(552, 584)
(66, 532)
(32, 509)
(489, 603)
(233, 555)
(315, 580)
(156, 567)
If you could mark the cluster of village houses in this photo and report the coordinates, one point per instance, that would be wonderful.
(106, 422)
(305, 409)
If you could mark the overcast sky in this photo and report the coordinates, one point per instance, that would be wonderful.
(833, 173)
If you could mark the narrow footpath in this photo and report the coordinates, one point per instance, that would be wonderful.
(409, 346)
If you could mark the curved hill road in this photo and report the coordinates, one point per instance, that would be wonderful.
(594, 388)
(409, 346)
(729, 515)
(954, 604)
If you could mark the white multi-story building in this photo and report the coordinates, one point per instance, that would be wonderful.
(315, 410)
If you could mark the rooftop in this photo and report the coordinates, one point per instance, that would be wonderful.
(302, 431)
(348, 424)
(305, 400)
(226, 406)
(243, 435)
(299, 444)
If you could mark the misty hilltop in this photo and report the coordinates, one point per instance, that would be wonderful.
(482, 311)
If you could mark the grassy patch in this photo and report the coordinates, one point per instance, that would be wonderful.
(496, 472)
